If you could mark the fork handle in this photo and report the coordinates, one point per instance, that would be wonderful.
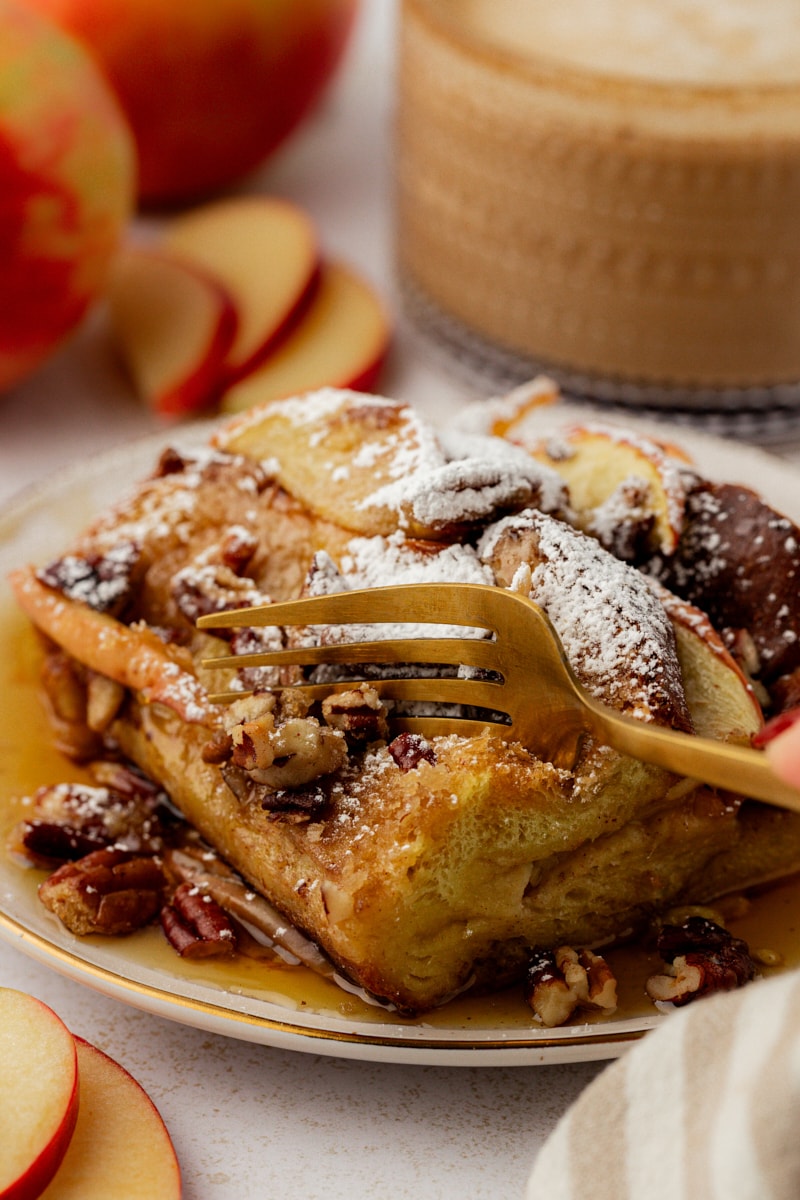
(737, 769)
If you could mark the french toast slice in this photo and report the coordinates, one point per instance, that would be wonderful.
(421, 869)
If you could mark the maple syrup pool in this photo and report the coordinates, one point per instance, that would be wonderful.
(29, 760)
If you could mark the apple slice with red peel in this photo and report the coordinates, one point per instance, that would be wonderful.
(38, 1094)
(341, 341)
(264, 252)
(121, 1146)
(173, 326)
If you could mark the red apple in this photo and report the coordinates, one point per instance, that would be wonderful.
(340, 341)
(264, 252)
(173, 326)
(210, 88)
(38, 1094)
(66, 187)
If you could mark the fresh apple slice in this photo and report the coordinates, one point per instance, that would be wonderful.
(121, 1146)
(38, 1094)
(264, 252)
(341, 341)
(173, 325)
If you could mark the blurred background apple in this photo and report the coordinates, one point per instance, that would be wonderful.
(67, 186)
(210, 87)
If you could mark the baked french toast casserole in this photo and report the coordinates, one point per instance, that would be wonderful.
(421, 868)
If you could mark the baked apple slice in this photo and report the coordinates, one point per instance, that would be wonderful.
(369, 464)
(627, 490)
(721, 699)
(512, 415)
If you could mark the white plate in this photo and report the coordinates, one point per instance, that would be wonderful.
(38, 525)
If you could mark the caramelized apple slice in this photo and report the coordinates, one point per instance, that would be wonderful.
(370, 465)
(264, 252)
(173, 325)
(721, 700)
(334, 450)
(626, 489)
(512, 415)
(340, 341)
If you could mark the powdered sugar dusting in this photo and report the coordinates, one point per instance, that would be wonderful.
(465, 478)
(615, 632)
(385, 561)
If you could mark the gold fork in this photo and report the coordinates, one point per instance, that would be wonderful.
(545, 707)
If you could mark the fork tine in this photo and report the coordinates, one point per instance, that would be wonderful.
(429, 727)
(479, 693)
(472, 652)
(457, 604)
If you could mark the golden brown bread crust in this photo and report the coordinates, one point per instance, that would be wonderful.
(418, 878)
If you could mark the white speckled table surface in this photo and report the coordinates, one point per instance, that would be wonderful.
(250, 1121)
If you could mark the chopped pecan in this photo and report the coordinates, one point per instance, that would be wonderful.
(102, 581)
(409, 749)
(256, 640)
(171, 462)
(302, 751)
(279, 750)
(785, 693)
(560, 981)
(358, 713)
(218, 749)
(196, 926)
(250, 725)
(547, 991)
(624, 521)
(237, 549)
(302, 804)
(108, 891)
(702, 958)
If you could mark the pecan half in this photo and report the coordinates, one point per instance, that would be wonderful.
(71, 819)
(214, 877)
(702, 958)
(196, 926)
(108, 891)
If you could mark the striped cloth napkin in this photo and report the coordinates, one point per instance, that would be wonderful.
(707, 1107)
